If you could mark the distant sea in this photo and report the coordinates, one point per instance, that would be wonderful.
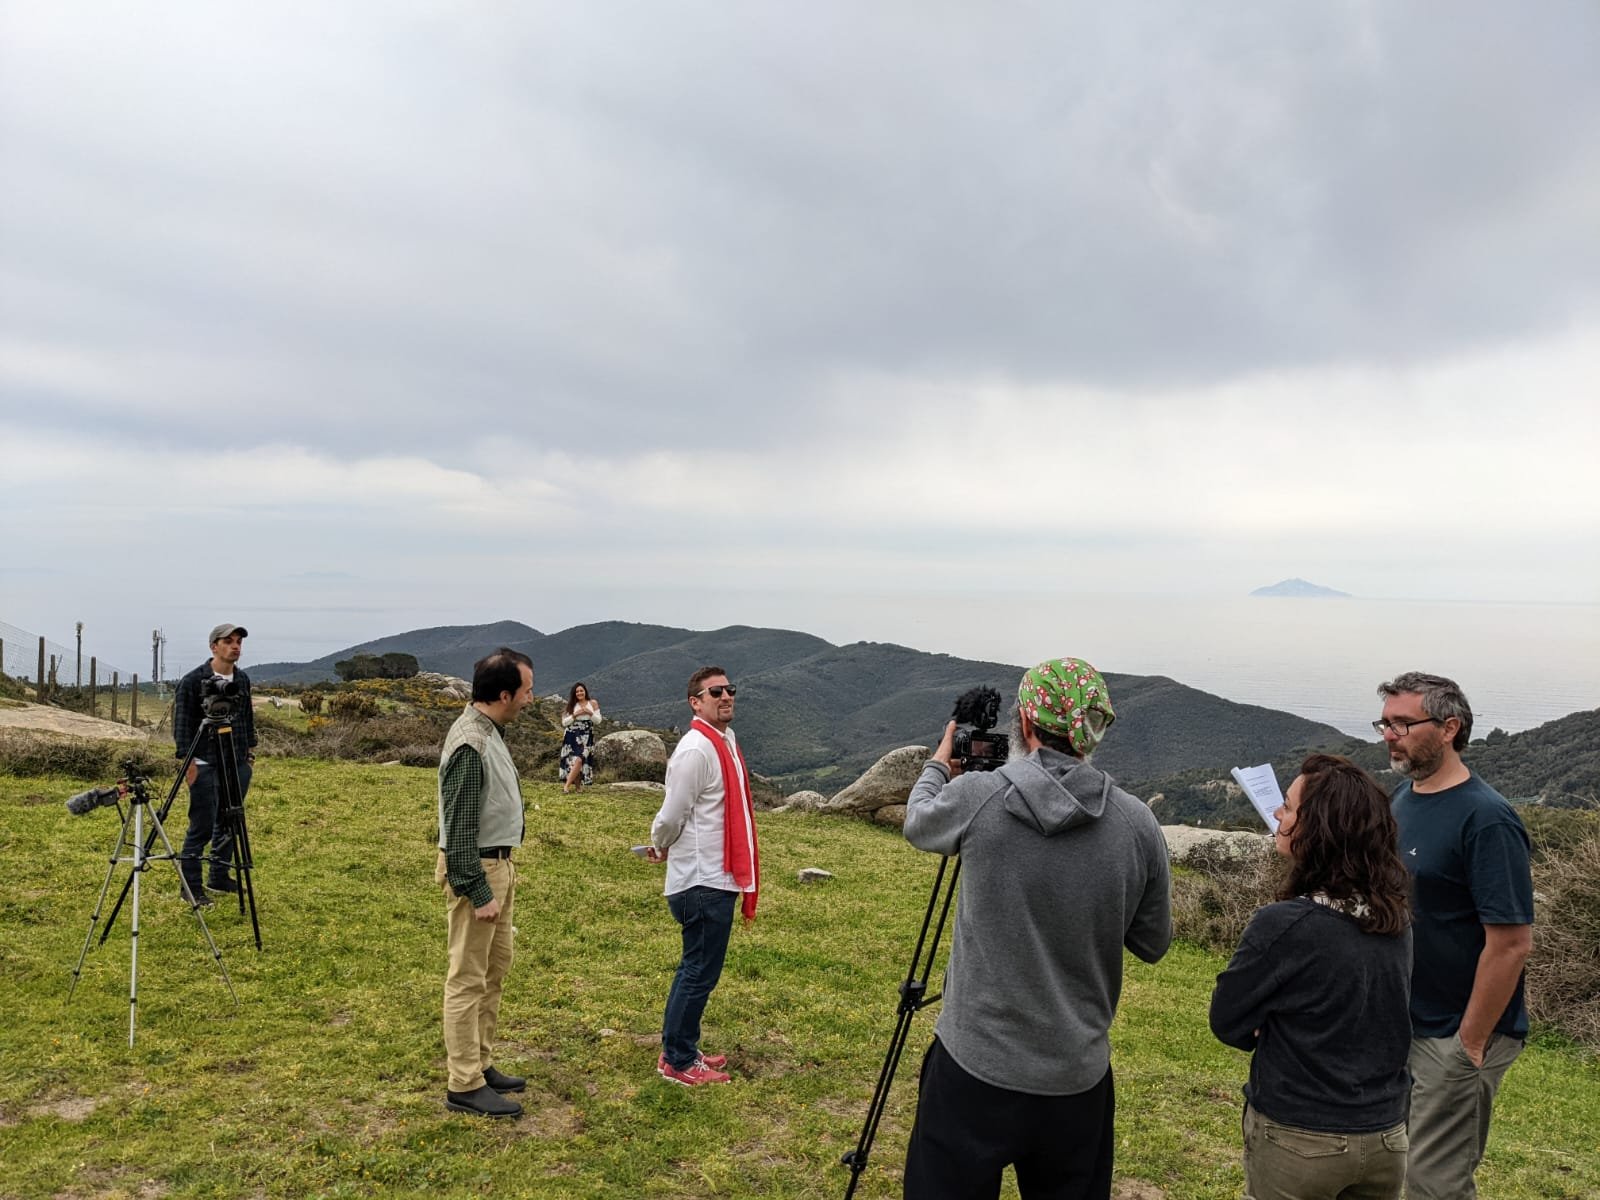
(1520, 664)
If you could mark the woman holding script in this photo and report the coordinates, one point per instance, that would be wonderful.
(1320, 989)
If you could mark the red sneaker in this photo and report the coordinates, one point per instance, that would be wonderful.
(715, 1061)
(693, 1076)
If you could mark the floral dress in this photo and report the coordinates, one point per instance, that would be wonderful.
(576, 743)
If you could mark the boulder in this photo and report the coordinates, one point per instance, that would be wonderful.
(805, 802)
(446, 685)
(629, 746)
(892, 815)
(1182, 839)
(887, 781)
(814, 875)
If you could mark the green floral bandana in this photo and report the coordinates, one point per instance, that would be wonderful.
(1067, 696)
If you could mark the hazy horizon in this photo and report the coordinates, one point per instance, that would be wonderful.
(354, 317)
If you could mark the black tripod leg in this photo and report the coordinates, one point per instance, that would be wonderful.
(913, 997)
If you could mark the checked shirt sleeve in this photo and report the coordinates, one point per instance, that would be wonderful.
(461, 788)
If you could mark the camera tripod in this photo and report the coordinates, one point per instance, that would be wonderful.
(230, 819)
(132, 837)
(913, 998)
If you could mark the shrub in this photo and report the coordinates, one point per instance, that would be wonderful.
(311, 703)
(352, 706)
(1214, 899)
(26, 753)
(1564, 970)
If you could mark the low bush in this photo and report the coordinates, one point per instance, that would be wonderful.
(352, 706)
(26, 753)
(1564, 971)
(1218, 889)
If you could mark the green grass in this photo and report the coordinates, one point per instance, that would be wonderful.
(327, 1079)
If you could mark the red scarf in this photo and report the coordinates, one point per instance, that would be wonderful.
(740, 858)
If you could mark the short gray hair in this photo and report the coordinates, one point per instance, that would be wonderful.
(1441, 699)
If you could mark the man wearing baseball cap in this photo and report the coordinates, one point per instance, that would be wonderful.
(227, 643)
(1060, 869)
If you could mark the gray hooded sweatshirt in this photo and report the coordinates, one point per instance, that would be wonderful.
(1060, 869)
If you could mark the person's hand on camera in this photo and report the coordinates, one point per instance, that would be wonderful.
(946, 751)
(488, 912)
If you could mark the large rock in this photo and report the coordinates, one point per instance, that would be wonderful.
(446, 685)
(1182, 839)
(630, 746)
(887, 781)
(805, 802)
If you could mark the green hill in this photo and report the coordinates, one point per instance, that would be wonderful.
(812, 714)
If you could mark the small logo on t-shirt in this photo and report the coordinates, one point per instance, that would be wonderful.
(1412, 852)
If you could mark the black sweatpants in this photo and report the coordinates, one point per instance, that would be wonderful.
(968, 1131)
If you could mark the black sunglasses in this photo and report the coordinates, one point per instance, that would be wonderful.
(717, 689)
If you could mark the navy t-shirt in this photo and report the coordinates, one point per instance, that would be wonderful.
(1467, 853)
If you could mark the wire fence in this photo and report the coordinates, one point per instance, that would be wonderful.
(72, 677)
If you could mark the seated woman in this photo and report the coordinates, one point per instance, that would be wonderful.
(1320, 990)
(580, 717)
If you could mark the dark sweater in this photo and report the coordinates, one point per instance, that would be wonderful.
(1332, 1005)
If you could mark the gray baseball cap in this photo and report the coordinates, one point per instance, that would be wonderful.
(226, 630)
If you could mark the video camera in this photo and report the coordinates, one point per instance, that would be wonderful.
(133, 780)
(979, 748)
(217, 697)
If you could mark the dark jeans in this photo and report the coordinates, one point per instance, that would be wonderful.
(706, 915)
(968, 1131)
(204, 797)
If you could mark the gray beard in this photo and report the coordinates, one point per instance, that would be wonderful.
(1417, 768)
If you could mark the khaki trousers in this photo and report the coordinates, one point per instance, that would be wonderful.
(1451, 1101)
(1283, 1162)
(480, 956)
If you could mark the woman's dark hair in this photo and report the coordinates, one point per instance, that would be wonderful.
(572, 696)
(1345, 844)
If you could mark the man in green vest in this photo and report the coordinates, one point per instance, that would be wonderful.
(480, 823)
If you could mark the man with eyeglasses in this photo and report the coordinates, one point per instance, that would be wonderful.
(1472, 893)
(706, 834)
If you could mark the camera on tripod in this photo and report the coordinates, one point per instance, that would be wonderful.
(133, 781)
(217, 697)
(979, 748)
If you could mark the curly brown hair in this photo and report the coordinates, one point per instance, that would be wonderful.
(1345, 844)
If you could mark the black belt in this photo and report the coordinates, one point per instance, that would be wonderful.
(494, 852)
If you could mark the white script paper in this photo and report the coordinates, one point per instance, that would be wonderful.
(1261, 785)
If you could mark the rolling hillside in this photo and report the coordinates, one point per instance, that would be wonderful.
(814, 714)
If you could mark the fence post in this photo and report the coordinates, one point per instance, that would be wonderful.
(2, 656)
(38, 680)
(94, 693)
(116, 679)
(133, 703)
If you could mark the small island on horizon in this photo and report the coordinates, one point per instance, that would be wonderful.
(1299, 588)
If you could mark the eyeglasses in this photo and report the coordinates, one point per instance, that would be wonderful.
(1401, 728)
(717, 689)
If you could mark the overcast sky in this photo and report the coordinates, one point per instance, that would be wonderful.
(346, 319)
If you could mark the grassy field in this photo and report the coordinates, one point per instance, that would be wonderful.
(327, 1079)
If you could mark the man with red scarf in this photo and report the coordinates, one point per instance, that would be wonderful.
(706, 834)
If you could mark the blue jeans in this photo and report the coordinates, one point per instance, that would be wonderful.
(706, 915)
(204, 796)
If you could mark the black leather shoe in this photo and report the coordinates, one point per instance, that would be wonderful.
(501, 1082)
(225, 884)
(486, 1102)
(198, 899)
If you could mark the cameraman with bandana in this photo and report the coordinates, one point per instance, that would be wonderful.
(1060, 870)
